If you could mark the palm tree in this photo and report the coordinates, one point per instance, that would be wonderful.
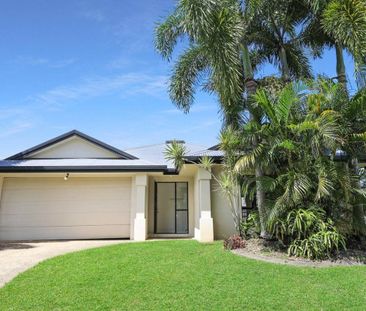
(212, 60)
(302, 135)
(219, 59)
(342, 26)
(276, 38)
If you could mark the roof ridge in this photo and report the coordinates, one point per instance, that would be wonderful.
(144, 146)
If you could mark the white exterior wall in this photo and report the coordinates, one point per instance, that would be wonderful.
(221, 212)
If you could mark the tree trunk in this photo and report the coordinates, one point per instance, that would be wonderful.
(260, 195)
(251, 87)
(284, 64)
(341, 68)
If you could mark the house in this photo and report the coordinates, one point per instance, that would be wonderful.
(77, 187)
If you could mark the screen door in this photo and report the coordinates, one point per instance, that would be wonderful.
(171, 207)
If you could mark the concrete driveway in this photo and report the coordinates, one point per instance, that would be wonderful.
(16, 257)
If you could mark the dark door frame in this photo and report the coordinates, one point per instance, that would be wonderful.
(175, 206)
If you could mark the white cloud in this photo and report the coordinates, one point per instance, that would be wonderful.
(201, 126)
(15, 127)
(196, 108)
(123, 85)
(21, 117)
(16, 120)
(62, 63)
(6, 113)
(41, 61)
(95, 15)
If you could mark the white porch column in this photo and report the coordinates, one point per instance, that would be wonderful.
(204, 204)
(140, 223)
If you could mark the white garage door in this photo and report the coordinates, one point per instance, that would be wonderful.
(51, 208)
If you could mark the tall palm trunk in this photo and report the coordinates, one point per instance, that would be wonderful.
(284, 64)
(341, 68)
(251, 87)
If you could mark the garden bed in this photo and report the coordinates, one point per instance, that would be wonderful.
(272, 252)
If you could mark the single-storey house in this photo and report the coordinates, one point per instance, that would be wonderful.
(77, 187)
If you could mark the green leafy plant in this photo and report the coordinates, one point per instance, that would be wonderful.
(319, 245)
(302, 222)
(250, 227)
(307, 234)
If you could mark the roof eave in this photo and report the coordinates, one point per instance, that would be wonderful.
(90, 169)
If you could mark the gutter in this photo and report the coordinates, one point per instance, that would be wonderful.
(53, 169)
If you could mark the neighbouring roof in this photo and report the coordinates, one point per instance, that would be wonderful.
(206, 152)
(25, 153)
(213, 152)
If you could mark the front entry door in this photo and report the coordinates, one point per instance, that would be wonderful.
(171, 208)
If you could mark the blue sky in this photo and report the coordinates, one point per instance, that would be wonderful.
(91, 65)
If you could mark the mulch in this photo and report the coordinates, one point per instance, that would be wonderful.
(271, 251)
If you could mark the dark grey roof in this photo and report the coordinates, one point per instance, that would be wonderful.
(23, 154)
(208, 153)
(213, 152)
(215, 147)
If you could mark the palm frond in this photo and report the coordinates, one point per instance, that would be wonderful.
(249, 160)
(345, 20)
(325, 185)
(285, 102)
(262, 100)
(185, 77)
(167, 34)
(175, 152)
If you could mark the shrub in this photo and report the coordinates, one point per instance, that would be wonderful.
(250, 227)
(298, 224)
(307, 234)
(234, 242)
(319, 245)
(303, 222)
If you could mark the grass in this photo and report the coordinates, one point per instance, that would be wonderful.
(180, 275)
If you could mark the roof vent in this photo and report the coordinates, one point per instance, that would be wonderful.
(167, 142)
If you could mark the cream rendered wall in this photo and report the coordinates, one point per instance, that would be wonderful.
(220, 208)
(74, 147)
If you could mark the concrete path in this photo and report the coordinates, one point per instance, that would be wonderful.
(16, 257)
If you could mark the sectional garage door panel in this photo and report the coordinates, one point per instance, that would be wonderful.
(51, 208)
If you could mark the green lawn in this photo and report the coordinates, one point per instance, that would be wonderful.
(180, 275)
